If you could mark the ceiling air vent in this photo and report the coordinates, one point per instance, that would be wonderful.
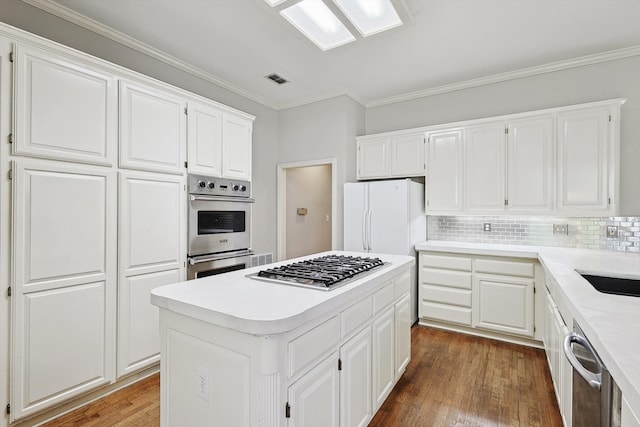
(276, 78)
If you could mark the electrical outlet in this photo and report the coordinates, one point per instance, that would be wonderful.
(203, 384)
(487, 226)
(612, 231)
(560, 228)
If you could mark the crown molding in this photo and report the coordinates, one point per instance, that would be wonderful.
(123, 39)
(74, 17)
(511, 75)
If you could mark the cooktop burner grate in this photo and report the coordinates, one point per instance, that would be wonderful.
(320, 273)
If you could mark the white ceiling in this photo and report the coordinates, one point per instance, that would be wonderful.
(238, 42)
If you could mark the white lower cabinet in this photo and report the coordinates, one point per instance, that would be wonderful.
(355, 380)
(64, 289)
(313, 399)
(350, 385)
(478, 293)
(383, 332)
(402, 320)
(559, 366)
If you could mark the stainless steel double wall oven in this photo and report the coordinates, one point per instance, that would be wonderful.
(219, 222)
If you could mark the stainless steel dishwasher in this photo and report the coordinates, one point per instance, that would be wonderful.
(595, 395)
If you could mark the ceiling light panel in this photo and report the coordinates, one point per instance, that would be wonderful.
(370, 16)
(274, 2)
(316, 21)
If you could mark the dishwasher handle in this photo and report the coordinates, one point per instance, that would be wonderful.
(593, 379)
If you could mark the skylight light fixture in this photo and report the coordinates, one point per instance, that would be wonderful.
(316, 21)
(370, 16)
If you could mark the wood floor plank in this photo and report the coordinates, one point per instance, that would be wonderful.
(453, 380)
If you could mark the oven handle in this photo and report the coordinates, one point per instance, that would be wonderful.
(225, 255)
(594, 380)
(223, 199)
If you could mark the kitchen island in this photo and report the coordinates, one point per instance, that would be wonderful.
(236, 351)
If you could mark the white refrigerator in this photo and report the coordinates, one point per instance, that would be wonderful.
(386, 217)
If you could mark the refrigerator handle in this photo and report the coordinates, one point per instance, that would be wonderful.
(364, 229)
(369, 231)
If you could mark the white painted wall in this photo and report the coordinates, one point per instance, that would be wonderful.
(613, 79)
(309, 188)
(322, 130)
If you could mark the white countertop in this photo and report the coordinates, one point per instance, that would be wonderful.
(257, 307)
(611, 322)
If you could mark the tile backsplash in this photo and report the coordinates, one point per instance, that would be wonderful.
(583, 232)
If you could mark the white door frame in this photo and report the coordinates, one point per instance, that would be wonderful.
(281, 239)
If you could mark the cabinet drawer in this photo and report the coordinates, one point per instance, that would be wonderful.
(383, 297)
(355, 316)
(306, 348)
(402, 285)
(456, 279)
(448, 262)
(461, 297)
(446, 313)
(510, 268)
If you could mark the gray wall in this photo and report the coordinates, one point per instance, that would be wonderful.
(613, 79)
(265, 127)
(322, 130)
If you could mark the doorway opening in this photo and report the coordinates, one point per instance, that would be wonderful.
(306, 208)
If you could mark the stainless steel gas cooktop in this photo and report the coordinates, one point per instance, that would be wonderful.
(324, 273)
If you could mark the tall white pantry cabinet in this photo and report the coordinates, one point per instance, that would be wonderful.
(93, 215)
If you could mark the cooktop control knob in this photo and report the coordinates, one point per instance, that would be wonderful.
(212, 185)
(201, 184)
(235, 187)
(243, 188)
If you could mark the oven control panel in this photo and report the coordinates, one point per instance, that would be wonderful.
(200, 184)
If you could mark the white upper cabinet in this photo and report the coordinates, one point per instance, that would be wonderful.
(236, 146)
(445, 173)
(391, 156)
(485, 168)
(585, 159)
(530, 165)
(407, 155)
(152, 129)
(64, 109)
(204, 139)
(373, 158)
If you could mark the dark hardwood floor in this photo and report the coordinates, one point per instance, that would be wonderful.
(452, 380)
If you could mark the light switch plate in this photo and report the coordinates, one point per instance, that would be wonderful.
(560, 228)
(486, 226)
(612, 231)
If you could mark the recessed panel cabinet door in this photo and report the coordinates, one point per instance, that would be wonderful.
(236, 147)
(64, 290)
(355, 380)
(485, 168)
(313, 399)
(402, 334)
(204, 139)
(138, 320)
(383, 331)
(152, 129)
(151, 222)
(63, 109)
(583, 160)
(407, 155)
(445, 171)
(373, 158)
(503, 304)
(530, 164)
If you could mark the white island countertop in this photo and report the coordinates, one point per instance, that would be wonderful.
(256, 307)
(611, 322)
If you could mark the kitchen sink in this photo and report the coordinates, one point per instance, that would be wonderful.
(614, 285)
